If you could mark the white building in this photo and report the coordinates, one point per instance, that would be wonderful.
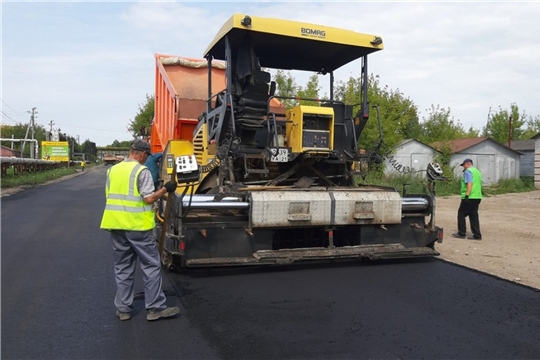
(409, 156)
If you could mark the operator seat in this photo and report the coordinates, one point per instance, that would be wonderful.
(252, 101)
(251, 87)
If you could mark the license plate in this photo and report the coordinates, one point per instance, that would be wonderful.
(279, 155)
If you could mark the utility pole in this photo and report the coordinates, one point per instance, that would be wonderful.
(32, 150)
(32, 113)
(49, 136)
(510, 131)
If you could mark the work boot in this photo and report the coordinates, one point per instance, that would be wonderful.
(154, 314)
(123, 315)
(474, 237)
(458, 235)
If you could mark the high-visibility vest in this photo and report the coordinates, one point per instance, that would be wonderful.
(476, 191)
(125, 208)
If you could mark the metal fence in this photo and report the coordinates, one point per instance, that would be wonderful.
(22, 165)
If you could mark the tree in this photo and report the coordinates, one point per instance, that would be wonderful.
(504, 124)
(89, 148)
(311, 91)
(472, 133)
(440, 126)
(142, 122)
(19, 131)
(533, 127)
(125, 143)
(398, 114)
(286, 86)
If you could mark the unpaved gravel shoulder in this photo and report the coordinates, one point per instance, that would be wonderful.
(510, 246)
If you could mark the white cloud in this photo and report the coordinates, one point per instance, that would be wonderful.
(91, 64)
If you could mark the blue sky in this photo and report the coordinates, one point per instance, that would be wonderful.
(88, 65)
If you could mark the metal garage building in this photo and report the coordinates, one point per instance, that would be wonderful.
(494, 160)
(409, 156)
(526, 161)
(537, 163)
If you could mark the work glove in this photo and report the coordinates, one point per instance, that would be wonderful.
(170, 186)
(466, 198)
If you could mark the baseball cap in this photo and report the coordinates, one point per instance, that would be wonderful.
(466, 161)
(140, 145)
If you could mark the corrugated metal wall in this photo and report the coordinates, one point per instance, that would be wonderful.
(537, 164)
(410, 157)
(494, 162)
(526, 161)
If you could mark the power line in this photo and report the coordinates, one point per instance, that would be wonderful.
(111, 137)
(19, 113)
(89, 128)
(9, 117)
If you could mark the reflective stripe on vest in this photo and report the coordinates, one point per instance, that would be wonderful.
(125, 208)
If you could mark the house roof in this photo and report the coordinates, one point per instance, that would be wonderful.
(9, 152)
(406, 141)
(523, 145)
(537, 136)
(460, 145)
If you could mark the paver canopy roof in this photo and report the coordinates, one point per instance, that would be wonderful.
(284, 44)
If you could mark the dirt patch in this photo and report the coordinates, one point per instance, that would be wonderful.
(510, 245)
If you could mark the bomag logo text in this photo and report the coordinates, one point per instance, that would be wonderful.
(313, 32)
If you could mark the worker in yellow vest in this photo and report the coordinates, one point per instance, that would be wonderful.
(128, 216)
(83, 164)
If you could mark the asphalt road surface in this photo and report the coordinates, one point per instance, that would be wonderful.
(58, 290)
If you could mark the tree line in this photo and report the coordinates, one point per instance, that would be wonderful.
(19, 131)
(399, 114)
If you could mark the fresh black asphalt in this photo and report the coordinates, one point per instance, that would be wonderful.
(58, 289)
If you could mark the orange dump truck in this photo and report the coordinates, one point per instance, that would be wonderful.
(109, 159)
(181, 91)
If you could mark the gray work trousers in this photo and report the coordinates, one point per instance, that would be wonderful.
(128, 246)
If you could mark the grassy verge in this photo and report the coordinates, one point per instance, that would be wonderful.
(418, 185)
(523, 184)
(11, 180)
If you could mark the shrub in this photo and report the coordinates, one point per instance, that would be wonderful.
(36, 178)
(415, 184)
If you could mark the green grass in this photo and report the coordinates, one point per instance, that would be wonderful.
(418, 185)
(523, 184)
(11, 180)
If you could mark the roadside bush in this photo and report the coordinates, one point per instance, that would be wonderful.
(523, 184)
(11, 180)
(415, 184)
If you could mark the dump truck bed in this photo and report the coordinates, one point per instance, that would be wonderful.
(181, 88)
